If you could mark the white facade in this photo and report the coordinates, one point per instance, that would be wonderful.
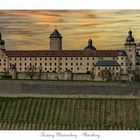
(77, 61)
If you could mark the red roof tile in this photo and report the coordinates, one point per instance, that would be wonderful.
(67, 53)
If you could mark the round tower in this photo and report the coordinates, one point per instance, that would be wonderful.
(55, 40)
(1, 43)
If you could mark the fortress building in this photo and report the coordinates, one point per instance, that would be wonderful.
(97, 64)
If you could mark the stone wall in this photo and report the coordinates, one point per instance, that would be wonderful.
(32, 87)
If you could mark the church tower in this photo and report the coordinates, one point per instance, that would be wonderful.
(1, 43)
(130, 48)
(55, 40)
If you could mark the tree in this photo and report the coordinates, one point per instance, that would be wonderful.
(40, 72)
(30, 71)
(106, 75)
(92, 75)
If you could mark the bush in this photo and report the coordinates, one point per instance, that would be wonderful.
(5, 77)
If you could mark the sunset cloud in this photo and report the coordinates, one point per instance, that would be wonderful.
(30, 29)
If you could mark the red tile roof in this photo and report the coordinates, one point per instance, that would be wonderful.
(64, 53)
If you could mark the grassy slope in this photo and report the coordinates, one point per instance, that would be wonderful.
(69, 113)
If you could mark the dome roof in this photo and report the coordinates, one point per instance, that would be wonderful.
(130, 38)
(55, 34)
(90, 46)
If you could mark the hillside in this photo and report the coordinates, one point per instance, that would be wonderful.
(30, 113)
(28, 87)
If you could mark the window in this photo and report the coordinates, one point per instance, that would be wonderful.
(121, 58)
(99, 73)
(15, 59)
(71, 58)
(25, 64)
(55, 64)
(71, 64)
(87, 68)
(20, 64)
(30, 58)
(40, 64)
(93, 58)
(93, 64)
(45, 64)
(60, 64)
(50, 64)
(45, 58)
(117, 68)
(71, 68)
(76, 58)
(130, 64)
(87, 64)
(25, 59)
(20, 59)
(50, 58)
(76, 64)
(35, 64)
(80, 64)
(98, 68)
(54, 58)
(40, 58)
(87, 58)
(65, 58)
(121, 63)
(80, 58)
(60, 58)
(77, 68)
(66, 64)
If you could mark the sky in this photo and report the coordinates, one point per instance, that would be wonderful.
(30, 29)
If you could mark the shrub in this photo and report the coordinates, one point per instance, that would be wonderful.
(5, 77)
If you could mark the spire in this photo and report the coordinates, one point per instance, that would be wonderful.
(55, 33)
